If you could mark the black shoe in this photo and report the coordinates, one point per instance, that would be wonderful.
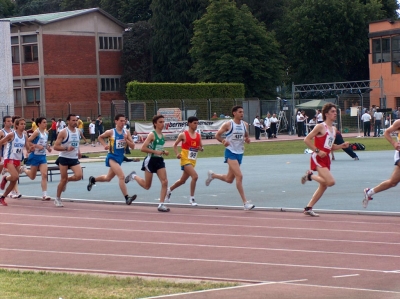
(127, 159)
(92, 182)
(130, 199)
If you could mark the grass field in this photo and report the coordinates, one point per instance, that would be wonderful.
(41, 285)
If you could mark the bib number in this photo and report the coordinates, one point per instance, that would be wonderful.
(75, 144)
(120, 144)
(238, 136)
(328, 142)
(17, 150)
(192, 154)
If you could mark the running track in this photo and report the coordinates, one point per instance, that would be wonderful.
(274, 254)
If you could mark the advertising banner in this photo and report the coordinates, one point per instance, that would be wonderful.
(173, 128)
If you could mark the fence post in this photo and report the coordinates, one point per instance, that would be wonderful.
(69, 108)
(155, 107)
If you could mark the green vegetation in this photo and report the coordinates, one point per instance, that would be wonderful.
(39, 285)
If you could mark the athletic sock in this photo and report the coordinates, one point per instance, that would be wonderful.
(371, 192)
(160, 205)
(126, 197)
(191, 197)
(59, 198)
(44, 193)
(309, 176)
(307, 208)
(133, 176)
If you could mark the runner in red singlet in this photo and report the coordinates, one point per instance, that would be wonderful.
(324, 136)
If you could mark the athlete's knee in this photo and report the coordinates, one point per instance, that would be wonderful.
(229, 180)
(393, 183)
(195, 177)
(164, 182)
(330, 183)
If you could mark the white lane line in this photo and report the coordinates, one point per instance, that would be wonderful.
(218, 216)
(343, 288)
(342, 276)
(207, 224)
(201, 245)
(228, 288)
(164, 275)
(111, 255)
(195, 233)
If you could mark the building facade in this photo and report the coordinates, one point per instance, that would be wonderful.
(66, 62)
(384, 62)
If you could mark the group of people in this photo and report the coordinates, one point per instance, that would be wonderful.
(376, 119)
(302, 122)
(236, 131)
(268, 126)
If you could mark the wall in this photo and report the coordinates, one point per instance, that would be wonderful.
(6, 73)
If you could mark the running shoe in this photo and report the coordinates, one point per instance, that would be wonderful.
(129, 178)
(310, 213)
(168, 196)
(16, 195)
(3, 182)
(92, 182)
(46, 198)
(163, 208)
(356, 159)
(193, 202)
(304, 178)
(366, 198)
(3, 201)
(248, 206)
(130, 199)
(58, 202)
(209, 177)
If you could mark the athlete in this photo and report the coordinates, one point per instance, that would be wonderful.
(67, 144)
(191, 144)
(395, 177)
(118, 138)
(15, 142)
(237, 133)
(154, 162)
(324, 136)
(37, 159)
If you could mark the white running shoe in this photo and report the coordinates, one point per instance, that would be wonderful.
(311, 213)
(304, 178)
(129, 178)
(209, 177)
(46, 198)
(168, 196)
(22, 168)
(58, 202)
(366, 198)
(163, 208)
(11, 194)
(248, 206)
(193, 202)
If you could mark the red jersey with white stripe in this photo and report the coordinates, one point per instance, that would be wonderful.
(323, 143)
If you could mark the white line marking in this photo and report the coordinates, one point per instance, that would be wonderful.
(207, 224)
(194, 233)
(201, 245)
(228, 288)
(349, 275)
(189, 259)
(233, 216)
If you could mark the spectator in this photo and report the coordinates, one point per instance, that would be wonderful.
(267, 124)
(319, 116)
(256, 124)
(99, 126)
(274, 125)
(366, 118)
(53, 129)
(338, 141)
(92, 132)
(60, 125)
(300, 124)
(378, 116)
(137, 138)
(312, 123)
(215, 116)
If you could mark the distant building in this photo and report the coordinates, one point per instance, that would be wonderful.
(66, 62)
(384, 61)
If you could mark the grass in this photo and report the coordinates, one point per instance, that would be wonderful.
(39, 285)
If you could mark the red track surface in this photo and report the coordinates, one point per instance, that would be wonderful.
(277, 254)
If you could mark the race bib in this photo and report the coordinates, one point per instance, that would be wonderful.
(328, 142)
(192, 154)
(17, 150)
(75, 144)
(238, 136)
(120, 143)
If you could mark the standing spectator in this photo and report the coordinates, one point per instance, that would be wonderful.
(53, 128)
(366, 118)
(99, 126)
(300, 124)
(274, 123)
(92, 132)
(256, 124)
(304, 122)
(378, 123)
(80, 124)
(267, 124)
(319, 116)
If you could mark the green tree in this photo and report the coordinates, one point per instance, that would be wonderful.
(230, 45)
(7, 8)
(173, 28)
(67, 5)
(132, 11)
(327, 40)
(34, 7)
(136, 54)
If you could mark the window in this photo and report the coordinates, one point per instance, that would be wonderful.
(17, 92)
(396, 54)
(32, 91)
(110, 84)
(381, 50)
(30, 48)
(110, 43)
(15, 54)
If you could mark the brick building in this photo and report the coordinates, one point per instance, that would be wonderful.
(384, 61)
(66, 62)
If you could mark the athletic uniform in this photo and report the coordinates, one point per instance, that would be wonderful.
(39, 155)
(190, 149)
(117, 145)
(67, 158)
(325, 144)
(152, 163)
(235, 136)
(3, 147)
(14, 150)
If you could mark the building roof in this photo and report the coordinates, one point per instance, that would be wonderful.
(47, 18)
